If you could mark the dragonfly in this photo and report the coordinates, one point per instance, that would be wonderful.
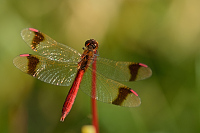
(61, 65)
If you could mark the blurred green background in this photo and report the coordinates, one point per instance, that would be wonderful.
(164, 34)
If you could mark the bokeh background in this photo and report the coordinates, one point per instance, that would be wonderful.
(164, 34)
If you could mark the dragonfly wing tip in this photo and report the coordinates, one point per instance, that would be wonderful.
(34, 30)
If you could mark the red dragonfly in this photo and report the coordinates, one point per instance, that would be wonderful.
(59, 64)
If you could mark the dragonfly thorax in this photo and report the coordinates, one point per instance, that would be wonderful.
(88, 54)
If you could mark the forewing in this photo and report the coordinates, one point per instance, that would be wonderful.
(49, 71)
(122, 71)
(49, 48)
(109, 91)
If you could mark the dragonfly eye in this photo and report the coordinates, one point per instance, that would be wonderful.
(92, 43)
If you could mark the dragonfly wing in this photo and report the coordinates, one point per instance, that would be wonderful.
(109, 91)
(49, 71)
(49, 48)
(122, 71)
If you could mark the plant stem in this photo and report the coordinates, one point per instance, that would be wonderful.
(94, 105)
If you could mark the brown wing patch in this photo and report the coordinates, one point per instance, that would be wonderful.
(37, 39)
(122, 95)
(134, 70)
(32, 64)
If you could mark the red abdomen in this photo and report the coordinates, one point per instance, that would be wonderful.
(69, 101)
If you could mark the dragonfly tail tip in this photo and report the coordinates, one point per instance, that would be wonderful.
(62, 119)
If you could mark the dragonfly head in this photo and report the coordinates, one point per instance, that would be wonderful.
(91, 44)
